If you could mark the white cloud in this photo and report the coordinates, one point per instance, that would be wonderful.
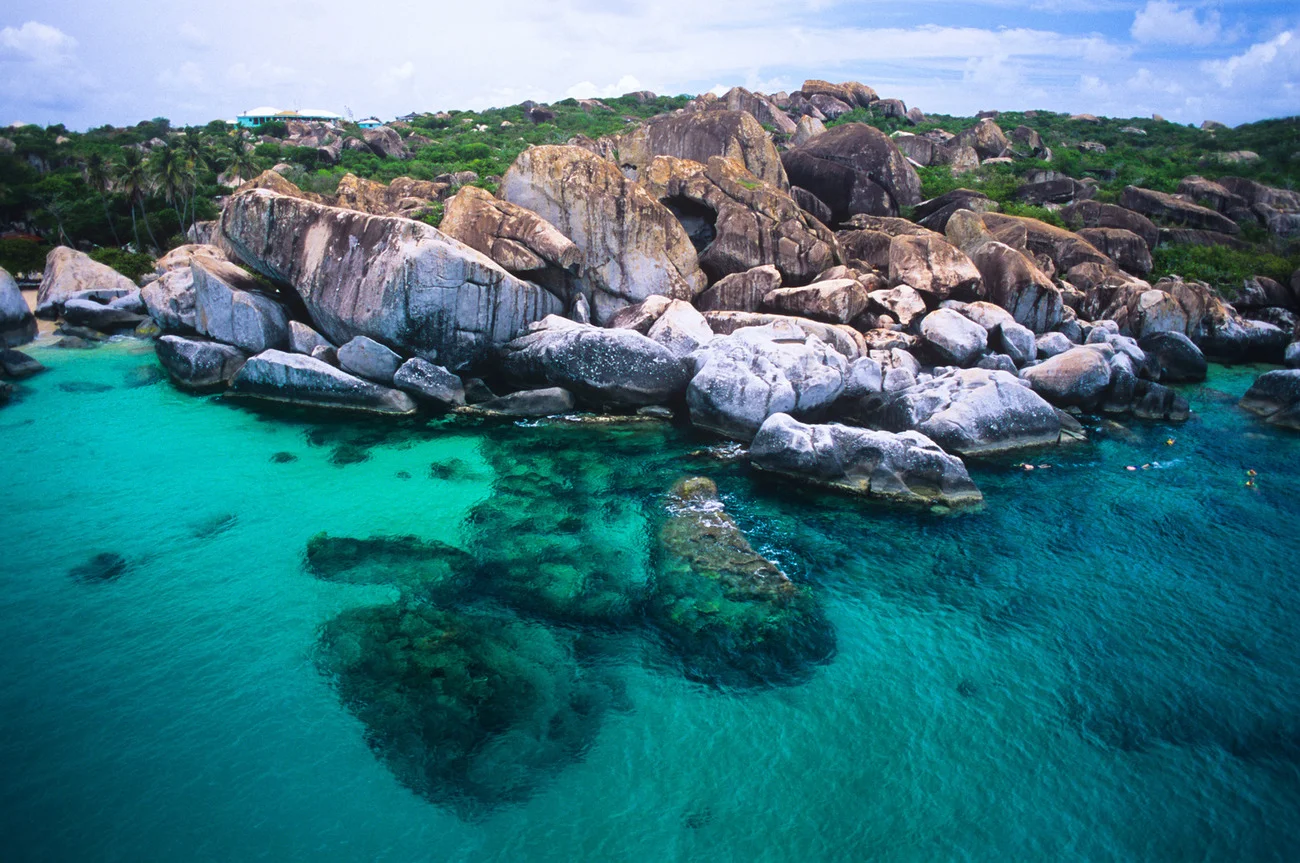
(1166, 23)
(37, 41)
(1275, 62)
(588, 90)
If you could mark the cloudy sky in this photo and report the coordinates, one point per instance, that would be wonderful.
(88, 62)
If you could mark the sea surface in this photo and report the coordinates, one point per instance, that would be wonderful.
(1103, 664)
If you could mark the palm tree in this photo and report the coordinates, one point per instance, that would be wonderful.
(133, 181)
(197, 150)
(240, 161)
(96, 172)
(172, 175)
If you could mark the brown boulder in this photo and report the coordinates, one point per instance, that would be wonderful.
(761, 108)
(754, 222)
(700, 136)
(855, 168)
(1011, 279)
(402, 197)
(1125, 248)
(740, 292)
(273, 182)
(1094, 214)
(837, 301)
(384, 142)
(1175, 210)
(985, 138)
(933, 266)
(632, 245)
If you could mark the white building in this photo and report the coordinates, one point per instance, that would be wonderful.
(266, 114)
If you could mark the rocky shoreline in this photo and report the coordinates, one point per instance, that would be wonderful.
(772, 295)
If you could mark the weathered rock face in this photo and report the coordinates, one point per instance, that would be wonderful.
(169, 300)
(754, 223)
(807, 129)
(601, 366)
(1175, 210)
(17, 325)
(1140, 309)
(1174, 357)
(1010, 279)
(849, 92)
(385, 142)
(402, 283)
(1094, 214)
(296, 379)
(1065, 249)
(837, 301)
(273, 182)
(303, 339)
(906, 467)
(740, 380)
(429, 383)
(935, 213)
(1229, 338)
(1124, 247)
(403, 197)
(369, 359)
(228, 308)
(70, 274)
(1261, 292)
(953, 338)
(761, 108)
(933, 266)
(183, 256)
(986, 138)
(520, 241)
(640, 317)
(98, 316)
(1276, 396)
(848, 341)
(741, 292)
(701, 136)
(1210, 194)
(902, 303)
(855, 168)
(1078, 376)
(969, 412)
(681, 329)
(545, 402)
(197, 364)
(632, 246)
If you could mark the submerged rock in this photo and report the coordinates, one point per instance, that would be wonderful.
(905, 467)
(16, 364)
(470, 709)
(730, 613)
(104, 566)
(431, 568)
(1275, 396)
(302, 380)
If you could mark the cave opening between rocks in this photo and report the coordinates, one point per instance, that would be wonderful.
(697, 219)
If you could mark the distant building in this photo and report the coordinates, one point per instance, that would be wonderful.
(258, 116)
(370, 123)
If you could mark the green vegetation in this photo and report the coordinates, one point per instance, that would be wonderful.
(138, 189)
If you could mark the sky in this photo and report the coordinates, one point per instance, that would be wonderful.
(85, 63)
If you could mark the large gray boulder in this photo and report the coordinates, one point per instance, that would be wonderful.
(681, 329)
(301, 380)
(545, 402)
(198, 364)
(632, 246)
(933, 266)
(970, 412)
(228, 308)
(1174, 357)
(835, 301)
(430, 383)
(904, 467)
(70, 274)
(400, 282)
(618, 367)
(953, 338)
(741, 379)
(369, 359)
(1275, 396)
(1078, 376)
(99, 316)
(1176, 210)
(17, 324)
(700, 136)
(169, 299)
(740, 292)
(303, 339)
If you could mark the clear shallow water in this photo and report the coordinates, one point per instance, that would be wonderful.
(1101, 665)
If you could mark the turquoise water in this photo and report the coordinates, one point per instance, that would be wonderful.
(1101, 665)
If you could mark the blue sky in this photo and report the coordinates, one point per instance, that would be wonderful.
(88, 63)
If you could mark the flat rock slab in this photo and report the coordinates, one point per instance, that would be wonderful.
(297, 379)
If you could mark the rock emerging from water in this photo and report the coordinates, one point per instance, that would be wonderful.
(302, 380)
(17, 324)
(731, 614)
(197, 364)
(1275, 396)
(904, 467)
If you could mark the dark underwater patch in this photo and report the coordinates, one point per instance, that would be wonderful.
(104, 566)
